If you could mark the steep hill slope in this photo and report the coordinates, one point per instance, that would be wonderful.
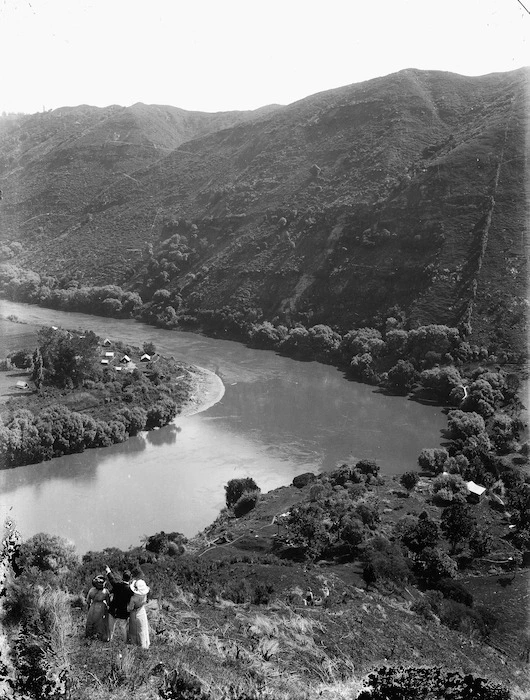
(406, 190)
(53, 164)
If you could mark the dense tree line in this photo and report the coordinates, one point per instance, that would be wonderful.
(17, 284)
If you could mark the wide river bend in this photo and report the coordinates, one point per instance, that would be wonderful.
(277, 418)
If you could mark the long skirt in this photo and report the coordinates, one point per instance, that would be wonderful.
(97, 622)
(138, 632)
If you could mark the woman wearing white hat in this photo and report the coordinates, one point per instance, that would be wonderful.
(138, 632)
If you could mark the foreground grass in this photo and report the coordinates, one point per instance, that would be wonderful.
(215, 649)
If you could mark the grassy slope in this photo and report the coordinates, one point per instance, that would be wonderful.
(282, 648)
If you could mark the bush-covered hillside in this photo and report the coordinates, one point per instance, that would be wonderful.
(406, 190)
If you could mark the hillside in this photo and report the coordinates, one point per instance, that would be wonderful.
(229, 617)
(405, 190)
(53, 164)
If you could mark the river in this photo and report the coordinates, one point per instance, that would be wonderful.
(277, 418)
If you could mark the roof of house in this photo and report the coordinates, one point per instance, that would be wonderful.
(475, 488)
(109, 354)
(145, 357)
(125, 358)
(104, 362)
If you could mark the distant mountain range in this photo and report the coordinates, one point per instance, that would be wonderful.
(404, 191)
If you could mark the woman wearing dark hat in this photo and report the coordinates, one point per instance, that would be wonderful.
(138, 632)
(98, 600)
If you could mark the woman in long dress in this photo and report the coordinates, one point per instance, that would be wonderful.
(98, 600)
(138, 632)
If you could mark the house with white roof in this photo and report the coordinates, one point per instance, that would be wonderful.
(475, 491)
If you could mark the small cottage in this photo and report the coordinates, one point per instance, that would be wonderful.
(104, 361)
(125, 359)
(109, 355)
(107, 342)
(475, 492)
(145, 358)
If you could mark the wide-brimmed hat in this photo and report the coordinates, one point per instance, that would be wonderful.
(98, 582)
(140, 587)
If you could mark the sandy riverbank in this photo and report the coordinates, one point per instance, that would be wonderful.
(207, 390)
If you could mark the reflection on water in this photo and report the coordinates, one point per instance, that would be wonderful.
(166, 436)
(277, 418)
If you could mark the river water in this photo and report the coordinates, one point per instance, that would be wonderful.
(277, 418)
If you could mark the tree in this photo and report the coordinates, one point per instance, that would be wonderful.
(384, 560)
(47, 553)
(361, 341)
(409, 480)
(149, 347)
(308, 527)
(433, 459)
(457, 524)
(432, 565)
(448, 488)
(324, 342)
(435, 338)
(265, 335)
(297, 342)
(367, 467)
(441, 380)
(21, 359)
(503, 431)
(111, 307)
(480, 542)
(482, 398)
(68, 359)
(461, 425)
(421, 534)
(402, 376)
(161, 413)
(237, 487)
(37, 374)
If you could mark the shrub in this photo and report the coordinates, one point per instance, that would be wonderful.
(462, 618)
(301, 480)
(422, 608)
(236, 488)
(456, 591)
(246, 502)
(161, 543)
(391, 683)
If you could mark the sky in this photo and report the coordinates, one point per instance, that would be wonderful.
(217, 55)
